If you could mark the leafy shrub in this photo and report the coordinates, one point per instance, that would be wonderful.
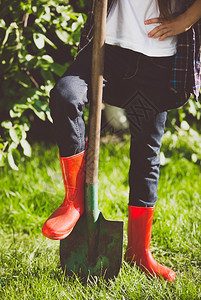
(182, 137)
(32, 32)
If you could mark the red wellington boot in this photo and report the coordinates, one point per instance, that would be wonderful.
(60, 224)
(139, 237)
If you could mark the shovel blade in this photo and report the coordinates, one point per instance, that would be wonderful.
(75, 253)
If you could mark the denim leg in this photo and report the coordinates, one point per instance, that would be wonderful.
(144, 157)
(67, 101)
(72, 92)
(145, 96)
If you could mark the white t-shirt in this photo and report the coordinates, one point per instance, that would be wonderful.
(125, 28)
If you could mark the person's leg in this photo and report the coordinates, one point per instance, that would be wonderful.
(128, 86)
(147, 127)
(140, 86)
(146, 135)
(143, 181)
(67, 102)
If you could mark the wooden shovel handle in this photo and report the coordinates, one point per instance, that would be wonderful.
(97, 87)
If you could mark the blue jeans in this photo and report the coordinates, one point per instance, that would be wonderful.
(133, 81)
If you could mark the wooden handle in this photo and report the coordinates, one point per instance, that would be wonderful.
(97, 87)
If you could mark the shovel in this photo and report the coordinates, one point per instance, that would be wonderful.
(95, 246)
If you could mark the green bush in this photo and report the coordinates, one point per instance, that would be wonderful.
(182, 137)
(31, 35)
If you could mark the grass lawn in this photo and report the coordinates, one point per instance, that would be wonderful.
(29, 262)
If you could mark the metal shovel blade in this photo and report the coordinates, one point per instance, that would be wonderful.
(106, 261)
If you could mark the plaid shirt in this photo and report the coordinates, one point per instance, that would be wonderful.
(185, 76)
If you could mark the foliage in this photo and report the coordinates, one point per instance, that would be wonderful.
(33, 35)
(184, 142)
(190, 112)
(182, 136)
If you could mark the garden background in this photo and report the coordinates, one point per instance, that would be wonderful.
(38, 40)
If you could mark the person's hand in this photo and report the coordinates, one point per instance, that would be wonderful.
(167, 28)
(175, 25)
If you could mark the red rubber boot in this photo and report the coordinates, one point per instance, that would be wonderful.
(60, 224)
(140, 221)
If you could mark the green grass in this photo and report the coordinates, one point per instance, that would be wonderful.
(29, 262)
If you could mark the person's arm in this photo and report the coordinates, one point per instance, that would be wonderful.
(175, 25)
